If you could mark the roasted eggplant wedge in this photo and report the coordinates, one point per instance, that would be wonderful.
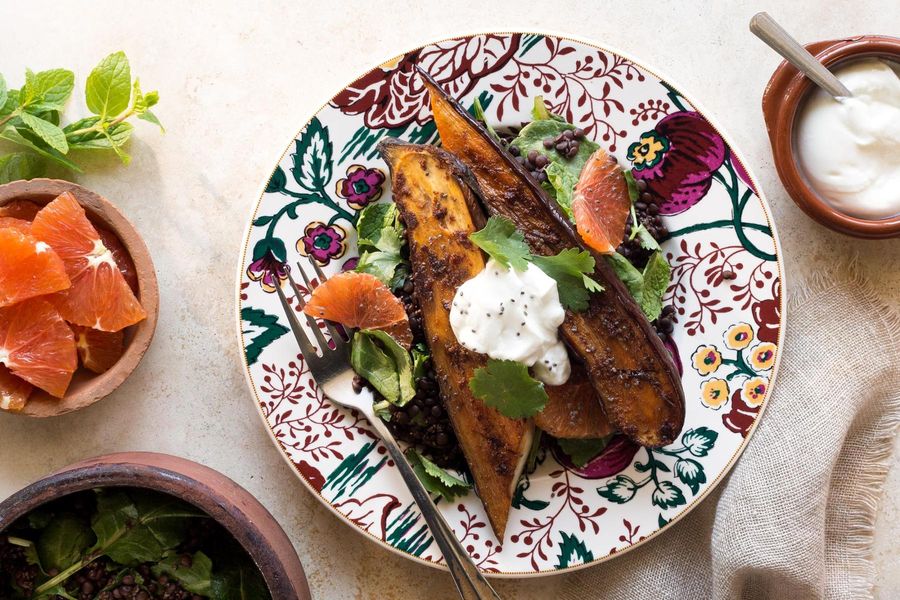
(627, 364)
(433, 198)
(573, 410)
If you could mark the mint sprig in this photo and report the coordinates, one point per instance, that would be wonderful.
(31, 115)
(507, 386)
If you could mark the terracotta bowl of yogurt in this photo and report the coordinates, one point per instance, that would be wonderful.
(840, 161)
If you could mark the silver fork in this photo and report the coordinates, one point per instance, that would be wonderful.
(334, 376)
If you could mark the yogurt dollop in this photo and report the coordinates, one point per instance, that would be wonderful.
(850, 150)
(513, 315)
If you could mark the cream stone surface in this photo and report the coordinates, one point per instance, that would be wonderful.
(237, 80)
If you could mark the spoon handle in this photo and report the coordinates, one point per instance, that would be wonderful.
(774, 35)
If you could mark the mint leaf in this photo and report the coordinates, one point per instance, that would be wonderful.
(141, 104)
(382, 265)
(380, 239)
(47, 131)
(115, 135)
(108, 88)
(24, 137)
(11, 103)
(372, 220)
(151, 118)
(20, 165)
(384, 363)
(647, 241)
(627, 272)
(561, 182)
(582, 451)
(420, 356)
(49, 90)
(656, 282)
(507, 386)
(502, 242)
(571, 269)
(4, 93)
(435, 479)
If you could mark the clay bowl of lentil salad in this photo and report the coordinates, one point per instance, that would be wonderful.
(142, 525)
(88, 387)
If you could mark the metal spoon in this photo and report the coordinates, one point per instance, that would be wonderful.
(765, 28)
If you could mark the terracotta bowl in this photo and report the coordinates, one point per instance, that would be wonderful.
(254, 528)
(86, 387)
(785, 94)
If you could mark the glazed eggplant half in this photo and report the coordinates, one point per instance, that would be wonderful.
(627, 365)
(440, 210)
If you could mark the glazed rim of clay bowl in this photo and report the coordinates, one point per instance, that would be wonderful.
(86, 387)
(233, 507)
(786, 95)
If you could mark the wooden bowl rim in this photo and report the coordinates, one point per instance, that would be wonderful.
(102, 385)
(233, 507)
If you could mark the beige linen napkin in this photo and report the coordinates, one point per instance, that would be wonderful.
(795, 518)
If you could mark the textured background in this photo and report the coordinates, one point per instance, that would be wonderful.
(237, 80)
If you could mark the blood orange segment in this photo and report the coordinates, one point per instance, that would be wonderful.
(121, 256)
(28, 268)
(362, 301)
(20, 225)
(100, 297)
(37, 345)
(98, 350)
(14, 392)
(601, 203)
(20, 209)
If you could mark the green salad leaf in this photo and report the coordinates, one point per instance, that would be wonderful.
(195, 578)
(62, 541)
(562, 183)
(420, 356)
(478, 111)
(381, 239)
(384, 363)
(507, 386)
(502, 242)
(582, 451)
(571, 269)
(541, 112)
(435, 479)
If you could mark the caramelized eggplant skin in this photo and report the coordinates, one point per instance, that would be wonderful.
(629, 367)
(573, 410)
(433, 199)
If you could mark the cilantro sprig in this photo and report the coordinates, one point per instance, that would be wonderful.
(571, 268)
(30, 116)
(507, 386)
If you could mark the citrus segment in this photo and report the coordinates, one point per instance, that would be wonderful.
(28, 268)
(601, 203)
(20, 225)
(121, 256)
(98, 350)
(14, 392)
(99, 297)
(20, 209)
(37, 345)
(361, 301)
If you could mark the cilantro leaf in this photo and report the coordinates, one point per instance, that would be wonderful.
(656, 281)
(571, 269)
(582, 451)
(384, 363)
(502, 242)
(507, 386)
(435, 479)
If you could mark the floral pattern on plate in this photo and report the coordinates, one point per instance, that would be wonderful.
(726, 288)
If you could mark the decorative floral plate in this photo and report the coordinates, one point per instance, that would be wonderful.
(726, 286)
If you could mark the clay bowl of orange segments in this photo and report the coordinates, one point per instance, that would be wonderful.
(86, 387)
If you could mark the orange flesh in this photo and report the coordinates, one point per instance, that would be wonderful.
(601, 203)
(14, 392)
(100, 297)
(361, 301)
(37, 345)
(28, 268)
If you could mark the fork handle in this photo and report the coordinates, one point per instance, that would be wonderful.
(470, 583)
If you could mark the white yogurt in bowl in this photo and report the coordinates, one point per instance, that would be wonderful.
(850, 150)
